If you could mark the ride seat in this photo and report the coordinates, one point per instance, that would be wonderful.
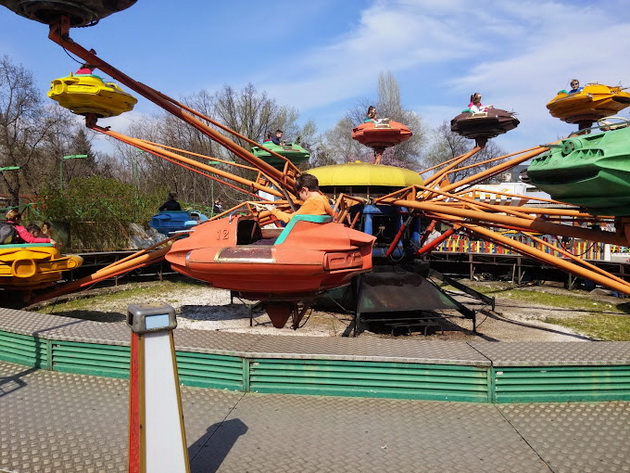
(247, 232)
(300, 218)
(25, 245)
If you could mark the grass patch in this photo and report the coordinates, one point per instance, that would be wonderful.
(594, 318)
(601, 326)
(144, 292)
(570, 300)
(565, 301)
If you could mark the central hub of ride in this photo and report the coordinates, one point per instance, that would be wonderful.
(80, 13)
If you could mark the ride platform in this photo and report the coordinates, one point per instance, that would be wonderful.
(381, 133)
(88, 94)
(482, 126)
(307, 257)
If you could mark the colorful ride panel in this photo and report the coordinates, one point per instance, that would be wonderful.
(310, 255)
(33, 265)
(293, 152)
(592, 171)
(593, 102)
(484, 125)
(168, 222)
(88, 94)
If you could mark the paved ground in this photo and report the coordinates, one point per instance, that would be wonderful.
(56, 422)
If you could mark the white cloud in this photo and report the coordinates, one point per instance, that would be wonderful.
(517, 54)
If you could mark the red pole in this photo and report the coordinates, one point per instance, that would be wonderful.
(433, 244)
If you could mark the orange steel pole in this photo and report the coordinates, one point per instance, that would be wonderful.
(513, 210)
(535, 225)
(434, 243)
(292, 167)
(579, 260)
(104, 273)
(443, 163)
(186, 152)
(442, 172)
(141, 252)
(154, 149)
(204, 174)
(59, 33)
(608, 281)
(495, 170)
(480, 163)
(468, 191)
(497, 158)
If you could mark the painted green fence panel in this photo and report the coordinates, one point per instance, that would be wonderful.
(210, 371)
(24, 350)
(562, 383)
(370, 379)
(92, 359)
(337, 377)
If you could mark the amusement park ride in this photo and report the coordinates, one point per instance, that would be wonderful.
(383, 214)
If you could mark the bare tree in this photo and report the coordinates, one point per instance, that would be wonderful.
(26, 126)
(343, 148)
(248, 112)
(253, 114)
(447, 144)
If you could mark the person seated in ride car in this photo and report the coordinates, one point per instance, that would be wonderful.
(314, 203)
(85, 69)
(34, 229)
(371, 115)
(575, 86)
(46, 229)
(475, 105)
(278, 138)
(171, 204)
(217, 206)
(14, 218)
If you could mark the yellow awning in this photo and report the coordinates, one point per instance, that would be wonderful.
(365, 174)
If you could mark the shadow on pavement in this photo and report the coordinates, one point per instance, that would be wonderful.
(207, 453)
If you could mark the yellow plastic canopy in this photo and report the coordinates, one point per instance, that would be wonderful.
(365, 174)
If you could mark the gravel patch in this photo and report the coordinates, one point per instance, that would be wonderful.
(200, 307)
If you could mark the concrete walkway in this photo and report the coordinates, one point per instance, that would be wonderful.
(57, 422)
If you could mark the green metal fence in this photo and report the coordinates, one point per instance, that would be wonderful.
(321, 376)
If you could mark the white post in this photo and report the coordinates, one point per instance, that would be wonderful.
(157, 438)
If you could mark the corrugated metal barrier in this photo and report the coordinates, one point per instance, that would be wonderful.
(320, 376)
(562, 383)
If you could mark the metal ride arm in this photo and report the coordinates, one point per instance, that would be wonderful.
(575, 265)
(59, 33)
(439, 175)
(530, 224)
(169, 155)
(483, 175)
(141, 258)
(599, 276)
(500, 215)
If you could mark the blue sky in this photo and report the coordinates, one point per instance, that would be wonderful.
(324, 56)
